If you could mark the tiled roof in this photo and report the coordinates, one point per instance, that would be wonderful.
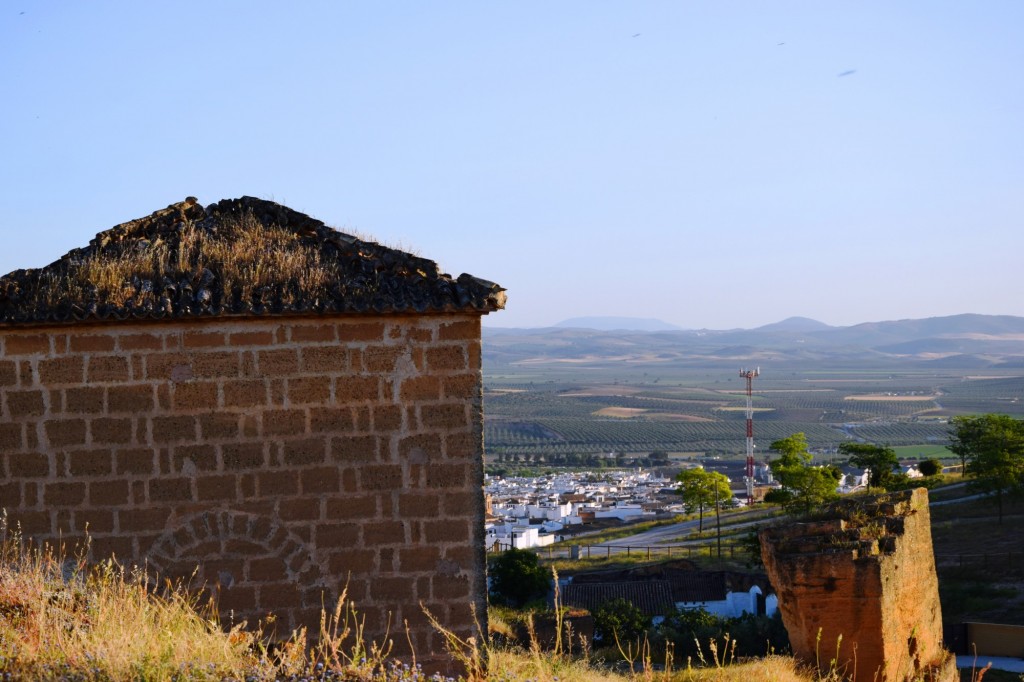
(652, 597)
(237, 257)
(684, 581)
(697, 586)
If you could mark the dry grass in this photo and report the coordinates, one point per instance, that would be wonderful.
(60, 618)
(621, 412)
(248, 256)
(57, 615)
(516, 665)
(241, 257)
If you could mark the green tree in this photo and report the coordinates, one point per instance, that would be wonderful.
(698, 489)
(992, 448)
(517, 577)
(808, 486)
(930, 467)
(619, 618)
(658, 457)
(878, 460)
(778, 496)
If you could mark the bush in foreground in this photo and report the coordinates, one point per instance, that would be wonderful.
(517, 578)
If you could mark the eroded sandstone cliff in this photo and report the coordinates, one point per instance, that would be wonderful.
(858, 590)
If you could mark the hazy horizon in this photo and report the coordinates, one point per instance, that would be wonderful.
(562, 323)
(712, 165)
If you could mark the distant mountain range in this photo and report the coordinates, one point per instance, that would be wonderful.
(795, 324)
(970, 341)
(640, 324)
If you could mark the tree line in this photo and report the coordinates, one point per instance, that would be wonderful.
(990, 447)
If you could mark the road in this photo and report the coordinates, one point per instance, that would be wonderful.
(674, 534)
(663, 541)
(672, 540)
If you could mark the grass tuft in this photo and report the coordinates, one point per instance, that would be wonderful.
(105, 623)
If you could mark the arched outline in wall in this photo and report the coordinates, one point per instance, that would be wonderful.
(179, 543)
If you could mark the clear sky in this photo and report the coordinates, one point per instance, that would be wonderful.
(712, 164)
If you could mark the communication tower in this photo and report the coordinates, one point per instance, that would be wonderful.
(749, 375)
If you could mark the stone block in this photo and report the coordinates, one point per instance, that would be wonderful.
(108, 368)
(194, 395)
(131, 398)
(352, 507)
(245, 393)
(64, 494)
(90, 463)
(219, 426)
(108, 493)
(237, 456)
(11, 437)
(25, 404)
(135, 461)
(200, 339)
(447, 358)
(466, 330)
(420, 388)
(67, 369)
(65, 432)
(318, 333)
(877, 614)
(360, 331)
(87, 400)
(26, 344)
(8, 373)
(315, 390)
(291, 422)
(133, 342)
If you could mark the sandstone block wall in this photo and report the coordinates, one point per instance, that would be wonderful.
(282, 457)
(858, 590)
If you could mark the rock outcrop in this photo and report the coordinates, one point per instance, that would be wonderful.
(858, 590)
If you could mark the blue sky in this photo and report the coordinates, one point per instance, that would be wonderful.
(704, 163)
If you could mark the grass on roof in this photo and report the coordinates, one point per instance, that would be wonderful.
(240, 257)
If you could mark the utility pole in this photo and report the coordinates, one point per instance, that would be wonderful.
(749, 375)
(718, 523)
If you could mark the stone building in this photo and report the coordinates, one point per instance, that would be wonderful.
(243, 390)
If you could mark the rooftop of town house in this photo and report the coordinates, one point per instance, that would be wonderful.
(684, 581)
(653, 598)
(235, 257)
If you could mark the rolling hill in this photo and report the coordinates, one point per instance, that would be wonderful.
(970, 341)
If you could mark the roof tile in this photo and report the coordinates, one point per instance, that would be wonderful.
(237, 257)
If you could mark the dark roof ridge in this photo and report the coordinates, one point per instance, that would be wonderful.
(235, 257)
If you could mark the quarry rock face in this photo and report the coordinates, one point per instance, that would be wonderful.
(858, 589)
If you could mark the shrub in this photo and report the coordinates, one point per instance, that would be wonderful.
(778, 496)
(930, 467)
(619, 618)
(747, 635)
(516, 577)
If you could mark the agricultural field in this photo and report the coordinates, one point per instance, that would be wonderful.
(606, 408)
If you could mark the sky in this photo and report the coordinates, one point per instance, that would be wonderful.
(710, 164)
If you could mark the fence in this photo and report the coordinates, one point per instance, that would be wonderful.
(1004, 560)
(648, 552)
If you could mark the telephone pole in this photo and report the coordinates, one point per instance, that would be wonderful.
(749, 375)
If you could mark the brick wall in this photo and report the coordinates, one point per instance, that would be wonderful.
(282, 457)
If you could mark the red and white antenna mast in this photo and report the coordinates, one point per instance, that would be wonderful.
(749, 375)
